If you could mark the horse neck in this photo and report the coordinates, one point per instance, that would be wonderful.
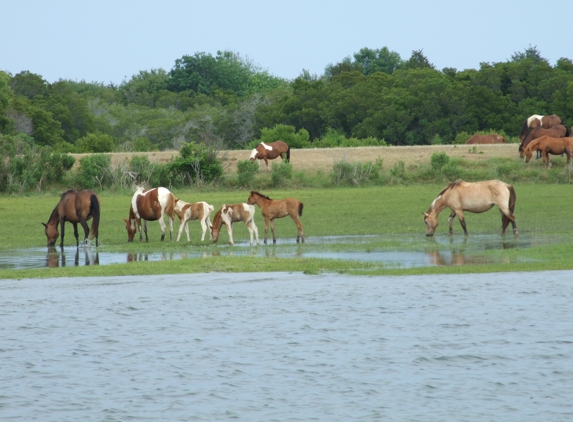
(54, 217)
(438, 205)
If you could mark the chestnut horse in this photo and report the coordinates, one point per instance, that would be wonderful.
(229, 214)
(270, 151)
(272, 209)
(548, 145)
(557, 131)
(475, 197)
(492, 138)
(75, 207)
(537, 120)
(197, 211)
(151, 205)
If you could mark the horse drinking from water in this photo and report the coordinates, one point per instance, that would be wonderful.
(537, 120)
(270, 151)
(187, 212)
(492, 138)
(548, 145)
(557, 131)
(75, 207)
(272, 209)
(229, 214)
(151, 205)
(475, 197)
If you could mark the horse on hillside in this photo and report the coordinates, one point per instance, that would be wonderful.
(475, 197)
(548, 145)
(151, 205)
(229, 214)
(557, 131)
(270, 151)
(537, 120)
(492, 138)
(272, 209)
(197, 211)
(75, 207)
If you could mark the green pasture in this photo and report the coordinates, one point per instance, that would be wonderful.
(387, 218)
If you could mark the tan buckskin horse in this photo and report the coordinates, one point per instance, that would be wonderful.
(548, 145)
(557, 131)
(151, 205)
(229, 214)
(75, 207)
(492, 138)
(270, 151)
(537, 120)
(280, 208)
(475, 197)
(196, 211)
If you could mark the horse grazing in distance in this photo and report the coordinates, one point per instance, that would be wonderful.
(229, 214)
(187, 212)
(492, 138)
(270, 151)
(548, 145)
(537, 120)
(557, 131)
(272, 209)
(151, 205)
(475, 197)
(75, 207)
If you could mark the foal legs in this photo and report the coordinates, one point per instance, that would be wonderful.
(300, 234)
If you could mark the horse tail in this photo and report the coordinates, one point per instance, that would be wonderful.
(288, 153)
(512, 198)
(567, 132)
(300, 207)
(170, 207)
(95, 212)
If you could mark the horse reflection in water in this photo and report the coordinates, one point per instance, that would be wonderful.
(459, 255)
(55, 259)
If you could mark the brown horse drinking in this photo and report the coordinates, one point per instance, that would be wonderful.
(475, 197)
(187, 212)
(270, 151)
(272, 209)
(151, 205)
(557, 131)
(75, 207)
(548, 145)
(229, 214)
(492, 138)
(537, 120)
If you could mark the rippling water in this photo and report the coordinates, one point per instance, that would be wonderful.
(262, 347)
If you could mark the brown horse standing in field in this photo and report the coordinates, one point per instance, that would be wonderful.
(548, 145)
(270, 151)
(492, 138)
(272, 209)
(557, 131)
(229, 214)
(151, 205)
(475, 197)
(537, 120)
(187, 212)
(75, 207)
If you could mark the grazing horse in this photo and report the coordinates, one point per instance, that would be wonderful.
(557, 131)
(151, 205)
(537, 120)
(229, 214)
(270, 151)
(272, 209)
(548, 145)
(197, 211)
(75, 207)
(475, 197)
(492, 138)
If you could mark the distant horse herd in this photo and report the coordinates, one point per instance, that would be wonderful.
(543, 134)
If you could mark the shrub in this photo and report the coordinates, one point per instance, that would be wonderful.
(280, 173)
(95, 142)
(439, 160)
(399, 169)
(355, 173)
(95, 170)
(197, 163)
(284, 133)
(246, 170)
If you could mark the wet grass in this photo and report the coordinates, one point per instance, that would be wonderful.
(392, 215)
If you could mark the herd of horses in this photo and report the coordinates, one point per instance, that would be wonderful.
(545, 134)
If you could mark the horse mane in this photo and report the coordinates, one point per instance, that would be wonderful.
(253, 192)
(450, 186)
(217, 217)
(524, 129)
(67, 192)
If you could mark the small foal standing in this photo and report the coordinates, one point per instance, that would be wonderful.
(151, 205)
(197, 211)
(229, 214)
(475, 197)
(280, 208)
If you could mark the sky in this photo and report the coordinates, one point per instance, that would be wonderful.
(110, 41)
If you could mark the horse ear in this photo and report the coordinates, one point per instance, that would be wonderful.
(45, 225)
(425, 214)
(126, 220)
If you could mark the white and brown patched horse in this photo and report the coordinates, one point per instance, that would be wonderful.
(279, 208)
(537, 120)
(270, 151)
(150, 205)
(229, 214)
(475, 197)
(196, 211)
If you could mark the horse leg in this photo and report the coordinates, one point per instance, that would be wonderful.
(181, 226)
(230, 232)
(161, 222)
(451, 221)
(76, 234)
(171, 229)
(300, 234)
(462, 221)
(145, 230)
(203, 228)
(266, 228)
(267, 163)
(273, 230)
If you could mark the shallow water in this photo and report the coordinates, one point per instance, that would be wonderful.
(261, 347)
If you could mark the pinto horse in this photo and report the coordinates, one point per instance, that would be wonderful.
(270, 151)
(493, 138)
(151, 205)
(537, 120)
(548, 145)
(187, 212)
(272, 209)
(475, 197)
(75, 207)
(229, 214)
(557, 131)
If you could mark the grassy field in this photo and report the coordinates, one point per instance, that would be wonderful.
(393, 214)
